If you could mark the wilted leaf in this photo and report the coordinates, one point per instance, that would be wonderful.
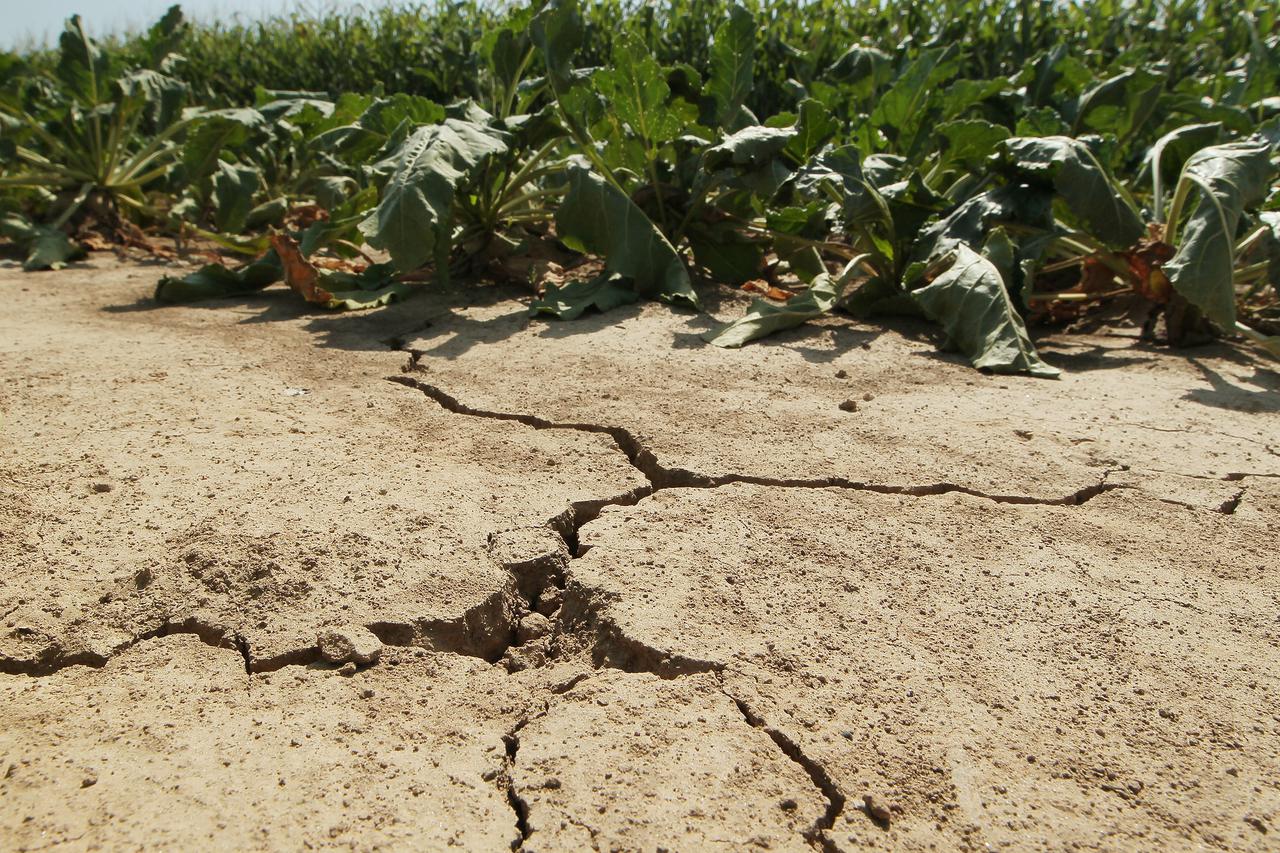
(764, 317)
(568, 301)
(360, 300)
(1172, 150)
(1224, 178)
(161, 96)
(299, 273)
(214, 132)
(969, 300)
(1086, 187)
(596, 217)
(234, 187)
(972, 221)
(338, 289)
(728, 256)
(47, 248)
(213, 281)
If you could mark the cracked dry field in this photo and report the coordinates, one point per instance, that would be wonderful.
(635, 593)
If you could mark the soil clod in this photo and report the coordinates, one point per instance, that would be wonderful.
(350, 643)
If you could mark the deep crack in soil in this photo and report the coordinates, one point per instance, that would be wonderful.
(817, 833)
(210, 635)
(489, 631)
(547, 616)
(661, 477)
(511, 740)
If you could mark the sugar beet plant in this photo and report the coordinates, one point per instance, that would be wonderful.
(987, 166)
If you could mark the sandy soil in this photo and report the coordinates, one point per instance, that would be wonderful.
(630, 592)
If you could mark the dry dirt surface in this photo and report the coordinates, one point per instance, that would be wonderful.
(445, 576)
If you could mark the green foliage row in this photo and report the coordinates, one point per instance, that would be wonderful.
(431, 49)
(953, 160)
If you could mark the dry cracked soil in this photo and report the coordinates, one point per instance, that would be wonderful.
(832, 591)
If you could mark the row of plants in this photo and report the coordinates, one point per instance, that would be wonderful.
(983, 168)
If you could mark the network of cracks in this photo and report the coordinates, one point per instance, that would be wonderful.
(546, 615)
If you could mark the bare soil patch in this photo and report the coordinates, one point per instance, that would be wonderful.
(633, 592)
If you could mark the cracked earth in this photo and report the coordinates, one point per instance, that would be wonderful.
(830, 592)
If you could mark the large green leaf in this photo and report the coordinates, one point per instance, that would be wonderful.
(507, 47)
(835, 175)
(732, 66)
(596, 217)
(968, 298)
(1225, 179)
(815, 126)
(901, 112)
(971, 141)
(568, 301)
(1041, 121)
(164, 36)
(161, 96)
(1120, 105)
(83, 67)
(557, 31)
(750, 147)
(728, 256)
(413, 221)
(862, 69)
(47, 248)
(1098, 201)
(215, 132)
(214, 281)
(234, 186)
(765, 317)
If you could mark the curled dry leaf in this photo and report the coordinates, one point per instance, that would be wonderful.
(768, 291)
(340, 264)
(299, 273)
(1145, 260)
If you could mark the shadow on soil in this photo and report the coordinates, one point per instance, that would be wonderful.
(1257, 393)
(438, 321)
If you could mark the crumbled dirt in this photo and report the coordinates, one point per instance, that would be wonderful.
(633, 592)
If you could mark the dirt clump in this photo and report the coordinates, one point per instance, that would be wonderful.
(349, 643)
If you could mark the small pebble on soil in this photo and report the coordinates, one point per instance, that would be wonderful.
(549, 602)
(877, 808)
(349, 643)
(532, 627)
